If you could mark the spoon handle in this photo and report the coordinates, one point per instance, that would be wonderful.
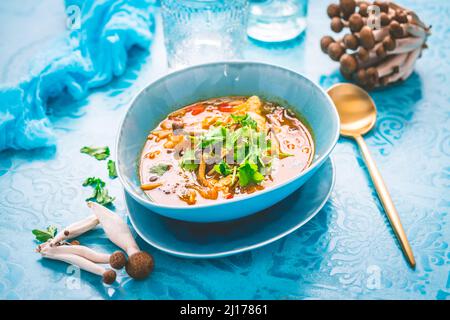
(386, 201)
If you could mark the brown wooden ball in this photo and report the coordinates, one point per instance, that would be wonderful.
(401, 16)
(395, 29)
(347, 7)
(336, 24)
(383, 5)
(335, 51)
(325, 42)
(355, 22)
(361, 76)
(333, 10)
(388, 43)
(384, 19)
(363, 9)
(351, 41)
(363, 54)
(380, 51)
(366, 38)
(372, 77)
(348, 63)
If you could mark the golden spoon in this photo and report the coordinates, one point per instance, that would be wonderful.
(358, 115)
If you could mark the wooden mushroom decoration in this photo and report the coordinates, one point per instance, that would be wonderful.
(375, 57)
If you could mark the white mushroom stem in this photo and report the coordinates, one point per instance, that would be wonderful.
(390, 64)
(115, 228)
(78, 250)
(414, 19)
(75, 229)
(391, 13)
(406, 45)
(412, 16)
(374, 49)
(415, 30)
(406, 68)
(380, 34)
(373, 58)
(83, 263)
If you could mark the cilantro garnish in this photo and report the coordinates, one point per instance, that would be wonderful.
(223, 168)
(188, 161)
(99, 153)
(45, 235)
(160, 169)
(251, 150)
(249, 173)
(214, 136)
(245, 120)
(112, 171)
(100, 194)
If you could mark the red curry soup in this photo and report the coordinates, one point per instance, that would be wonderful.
(221, 149)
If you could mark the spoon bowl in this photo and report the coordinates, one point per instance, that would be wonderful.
(356, 109)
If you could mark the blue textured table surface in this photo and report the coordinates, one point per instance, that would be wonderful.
(347, 251)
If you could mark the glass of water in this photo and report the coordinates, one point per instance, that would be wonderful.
(277, 20)
(198, 31)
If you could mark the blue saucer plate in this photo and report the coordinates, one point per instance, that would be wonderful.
(213, 240)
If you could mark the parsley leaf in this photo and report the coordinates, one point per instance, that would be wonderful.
(249, 147)
(248, 174)
(100, 194)
(112, 171)
(160, 169)
(188, 161)
(213, 136)
(100, 153)
(94, 182)
(45, 235)
(223, 168)
(102, 197)
(245, 120)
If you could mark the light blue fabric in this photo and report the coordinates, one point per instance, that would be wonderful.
(90, 56)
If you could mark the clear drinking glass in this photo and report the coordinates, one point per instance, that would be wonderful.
(277, 20)
(198, 31)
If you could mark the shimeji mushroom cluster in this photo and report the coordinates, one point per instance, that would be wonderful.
(375, 57)
(139, 263)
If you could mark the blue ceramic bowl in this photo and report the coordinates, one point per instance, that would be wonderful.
(184, 87)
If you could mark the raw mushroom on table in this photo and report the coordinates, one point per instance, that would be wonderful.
(139, 263)
(80, 256)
